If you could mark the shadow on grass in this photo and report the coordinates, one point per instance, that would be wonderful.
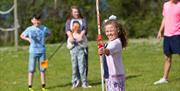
(69, 84)
(58, 86)
(175, 79)
(94, 83)
(132, 76)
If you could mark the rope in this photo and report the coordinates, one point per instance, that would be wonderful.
(8, 11)
(8, 29)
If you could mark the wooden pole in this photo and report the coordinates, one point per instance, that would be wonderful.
(15, 25)
(55, 4)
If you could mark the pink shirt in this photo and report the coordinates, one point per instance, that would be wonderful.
(171, 13)
(114, 60)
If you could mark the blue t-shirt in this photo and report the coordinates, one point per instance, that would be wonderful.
(37, 36)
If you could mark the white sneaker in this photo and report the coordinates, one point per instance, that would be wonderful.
(86, 85)
(161, 81)
(76, 84)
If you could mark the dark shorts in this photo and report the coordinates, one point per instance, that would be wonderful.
(171, 45)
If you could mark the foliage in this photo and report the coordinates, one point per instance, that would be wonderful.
(141, 17)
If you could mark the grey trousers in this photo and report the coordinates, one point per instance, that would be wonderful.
(78, 64)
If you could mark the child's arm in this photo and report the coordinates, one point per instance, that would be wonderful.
(48, 34)
(25, 38)
(102, 50)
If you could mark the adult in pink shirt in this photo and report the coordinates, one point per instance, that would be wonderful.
(170, 26)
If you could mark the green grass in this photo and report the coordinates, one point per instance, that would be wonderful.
(143, 61)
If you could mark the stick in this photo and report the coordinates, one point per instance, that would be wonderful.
(44, 64)
(100, 39)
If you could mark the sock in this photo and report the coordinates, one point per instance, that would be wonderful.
(30, 86)
(43, 85)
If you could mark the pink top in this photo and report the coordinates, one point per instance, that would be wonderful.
(171, 13)
(114, 60)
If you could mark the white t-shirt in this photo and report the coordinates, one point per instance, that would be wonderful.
(72, 20)
(114, 59)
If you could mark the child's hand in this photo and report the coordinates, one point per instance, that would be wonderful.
(79, 39)
(71, 40)
(104, 51)
(29, 40)
(25, 38)
(101, 51)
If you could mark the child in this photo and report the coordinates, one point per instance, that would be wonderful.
(77, 51)
(36, 35)
(82, 41)
(116, 41)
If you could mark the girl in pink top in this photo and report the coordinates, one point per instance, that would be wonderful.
(171, 27)
(117, 40)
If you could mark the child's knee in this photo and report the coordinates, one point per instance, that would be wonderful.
(31, 70)
(42, 69)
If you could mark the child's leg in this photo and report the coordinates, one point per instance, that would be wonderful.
(31, 68)
(82, 69)
(75, 72)
(43, 80)
(81, 66)
(167, 65)
(42, 58)
(30, 79)
(115, 83)
(86, 59)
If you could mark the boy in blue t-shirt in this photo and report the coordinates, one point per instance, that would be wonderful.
(36, 36)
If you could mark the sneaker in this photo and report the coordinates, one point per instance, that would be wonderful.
(75, 84)
(30, 89)
(44, 89)
(86, 85)
(161, 81)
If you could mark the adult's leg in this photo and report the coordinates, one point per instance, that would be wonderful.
(167, 65)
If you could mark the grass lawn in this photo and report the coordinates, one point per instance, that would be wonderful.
(143, 61)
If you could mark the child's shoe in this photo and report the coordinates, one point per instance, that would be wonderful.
(44, 89)
(30, 89)
(76, 84)
(86, 85)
